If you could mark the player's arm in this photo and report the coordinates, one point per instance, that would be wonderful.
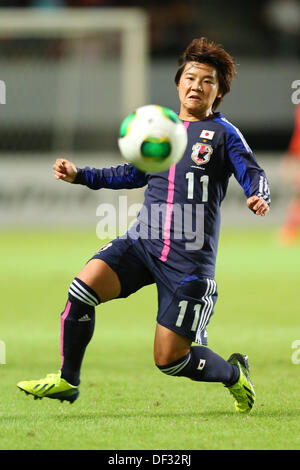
(120, 177)
(248, 173)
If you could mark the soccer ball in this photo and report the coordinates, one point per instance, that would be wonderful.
(152, 138)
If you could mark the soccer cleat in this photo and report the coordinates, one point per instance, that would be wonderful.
(52, 386)
(243, 390)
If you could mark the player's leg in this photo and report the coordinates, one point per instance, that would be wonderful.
(183, 315)
(114, 271)
(174, 355)
(100, 277)
(96, 282)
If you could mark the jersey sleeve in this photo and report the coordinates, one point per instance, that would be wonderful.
(245, 168)
(120, 177)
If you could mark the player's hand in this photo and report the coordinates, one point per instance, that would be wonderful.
(258, 205)
(64, 170)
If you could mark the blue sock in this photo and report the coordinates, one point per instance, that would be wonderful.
(77, 328)
(202, 364)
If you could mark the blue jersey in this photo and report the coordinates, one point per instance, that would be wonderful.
(180, 219)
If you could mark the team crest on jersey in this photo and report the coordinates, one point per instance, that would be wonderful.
(201, 153)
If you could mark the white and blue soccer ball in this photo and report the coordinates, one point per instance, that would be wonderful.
(152, 138)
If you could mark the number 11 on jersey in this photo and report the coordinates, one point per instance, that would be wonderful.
(190, 176)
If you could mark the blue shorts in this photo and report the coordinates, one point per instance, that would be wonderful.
(185, 302)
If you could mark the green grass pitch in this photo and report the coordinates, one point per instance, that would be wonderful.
(125, 402)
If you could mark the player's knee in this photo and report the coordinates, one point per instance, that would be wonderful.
(80, 292)
(163, 357)
(101, 278)
(169, 351)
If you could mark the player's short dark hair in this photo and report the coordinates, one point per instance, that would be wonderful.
(204, 51)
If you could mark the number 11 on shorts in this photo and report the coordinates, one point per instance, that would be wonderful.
(183, 304)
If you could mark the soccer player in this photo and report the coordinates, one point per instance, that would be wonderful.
(182, 267)
(290, 230)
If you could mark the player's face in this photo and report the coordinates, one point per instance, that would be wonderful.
(197, 90)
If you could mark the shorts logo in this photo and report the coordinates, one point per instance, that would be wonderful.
(201, 153)
(104, 247)
(201, 364)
